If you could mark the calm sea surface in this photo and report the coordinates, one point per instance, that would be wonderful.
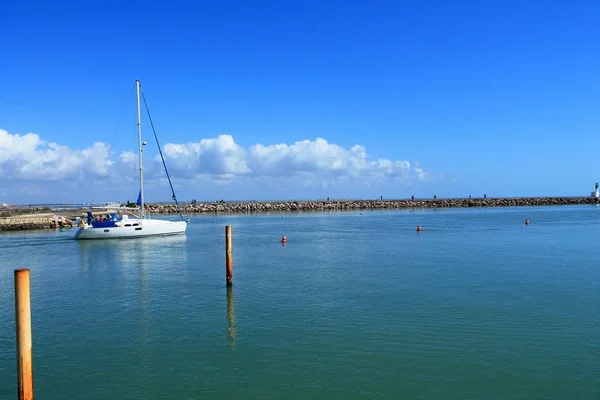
(354, 306)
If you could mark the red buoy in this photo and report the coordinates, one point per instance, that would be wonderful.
(283, 239)
(526, 222)
(419, 228)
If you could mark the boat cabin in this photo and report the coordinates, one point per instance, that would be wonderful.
(103, 220)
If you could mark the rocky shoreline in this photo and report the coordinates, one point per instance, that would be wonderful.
(346, 205)
(34, 221)
(30, 219)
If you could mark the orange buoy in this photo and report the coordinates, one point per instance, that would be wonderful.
(283, 239)
(526, 222)
(419, 228)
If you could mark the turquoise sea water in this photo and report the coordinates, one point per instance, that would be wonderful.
(354, 306)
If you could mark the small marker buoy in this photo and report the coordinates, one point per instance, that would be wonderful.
(419, 228)
(283, 239)
(526, 222)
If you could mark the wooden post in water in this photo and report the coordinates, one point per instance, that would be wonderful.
(23, 328)
(228, 263)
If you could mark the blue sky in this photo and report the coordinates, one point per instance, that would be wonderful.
(482, 97)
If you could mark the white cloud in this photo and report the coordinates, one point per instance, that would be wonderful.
(28, 157)
(318, 158)
(420, 172)
(218, 161)
(208, 156)
(128, 157)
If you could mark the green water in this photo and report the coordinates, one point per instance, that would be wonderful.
(477, 306)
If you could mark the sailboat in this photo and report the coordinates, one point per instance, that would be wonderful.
(116, 226)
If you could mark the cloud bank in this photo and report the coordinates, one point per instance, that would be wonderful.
(28, 159)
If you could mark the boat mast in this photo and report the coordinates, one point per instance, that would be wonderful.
(140, 144)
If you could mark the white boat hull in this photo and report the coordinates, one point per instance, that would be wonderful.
(132, 228)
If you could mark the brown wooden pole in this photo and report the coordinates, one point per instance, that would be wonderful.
(228, 263)
(23, 328)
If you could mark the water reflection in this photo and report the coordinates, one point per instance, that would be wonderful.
(124, 252)
(140, 265)
(231, 331)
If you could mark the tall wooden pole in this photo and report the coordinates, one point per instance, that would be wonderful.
(228, 263)
(23, 328)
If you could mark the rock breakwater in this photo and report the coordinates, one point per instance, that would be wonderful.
(34, 221)
(347, 205)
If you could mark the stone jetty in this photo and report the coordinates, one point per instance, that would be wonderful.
(28, 218)
(34, 221)
(347, 205)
